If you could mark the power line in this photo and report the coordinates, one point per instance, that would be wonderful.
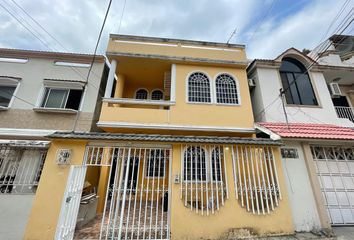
(23, 25)
(121, 16)
(35, 21)
(42, 41)
(23, 100)
(308, 68)
(94, 56)
(262, 20)
(45, 44)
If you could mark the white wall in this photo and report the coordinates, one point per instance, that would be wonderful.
(302, 201)
(14, 213)
(36, 70)
(268, 86)
(256, 96)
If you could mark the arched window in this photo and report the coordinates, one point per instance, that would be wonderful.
(141, 94)
(226, 89)
(296, 83)
(194, 164)
(198, 88)
(157, 95)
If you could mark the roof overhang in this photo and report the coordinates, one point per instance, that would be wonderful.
(174, 40)
(179, 59)
(103, 124)
(162, 138)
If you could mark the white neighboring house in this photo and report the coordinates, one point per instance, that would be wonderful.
(318, 151)
(338, 64)
(40, 93)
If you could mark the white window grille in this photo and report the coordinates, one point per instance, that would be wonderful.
(137, 200)
(62, 98)
(157, 95)
(194, 164)
(156, 163)
(335, 172)
(256, 178)
(199, 88)
(226, 89)
(20, 169)
(204, 185)
(141, 94)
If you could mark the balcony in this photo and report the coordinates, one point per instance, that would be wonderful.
(132, 112)
(345, 112)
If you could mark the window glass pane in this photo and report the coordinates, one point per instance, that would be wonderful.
(6, 93)
(156, 95)
(288, 97)
(141, 94)
(290, 65)
(293, 88)
(305, 90)
(74, 99)
(56, 98)
(294, 76)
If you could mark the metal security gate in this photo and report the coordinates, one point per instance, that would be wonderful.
(138, 197)
(335, 171)
(71, 202)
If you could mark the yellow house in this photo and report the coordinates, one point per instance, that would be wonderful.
(177, 158)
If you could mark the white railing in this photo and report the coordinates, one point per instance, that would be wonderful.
(345, 112)
(139, 101)
(256, 178)
(20, 169)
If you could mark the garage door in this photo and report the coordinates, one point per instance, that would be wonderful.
(335, 170)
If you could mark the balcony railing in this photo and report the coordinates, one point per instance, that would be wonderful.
(130, 101)
(345, 112)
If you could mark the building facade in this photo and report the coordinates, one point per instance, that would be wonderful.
(292, 101)
(40, 93)
(178, 158)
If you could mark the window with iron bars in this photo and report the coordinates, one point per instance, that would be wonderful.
(199, 88)
(226, 89)
(194, 164)
(20, 169)
(156, 163)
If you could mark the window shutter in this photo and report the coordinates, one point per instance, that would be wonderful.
(167, 85)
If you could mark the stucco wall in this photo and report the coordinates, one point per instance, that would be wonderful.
(191, 114)
(23, 118)
(14, 212)
(302, 201)
(269, 85)
(32, 75)
(184, 223)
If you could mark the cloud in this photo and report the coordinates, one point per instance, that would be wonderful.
(302, 29)
(76, 24)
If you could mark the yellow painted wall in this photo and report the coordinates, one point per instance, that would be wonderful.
(187, 224)
(190, 114)
(165, 49)
(184, 223)
(120, 86)
(44, 215)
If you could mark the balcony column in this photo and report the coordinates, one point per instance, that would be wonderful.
(110, 80)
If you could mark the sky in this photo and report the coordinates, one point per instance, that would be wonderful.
(266, 27)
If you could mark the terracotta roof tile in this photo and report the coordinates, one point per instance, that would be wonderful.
(306, 130)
